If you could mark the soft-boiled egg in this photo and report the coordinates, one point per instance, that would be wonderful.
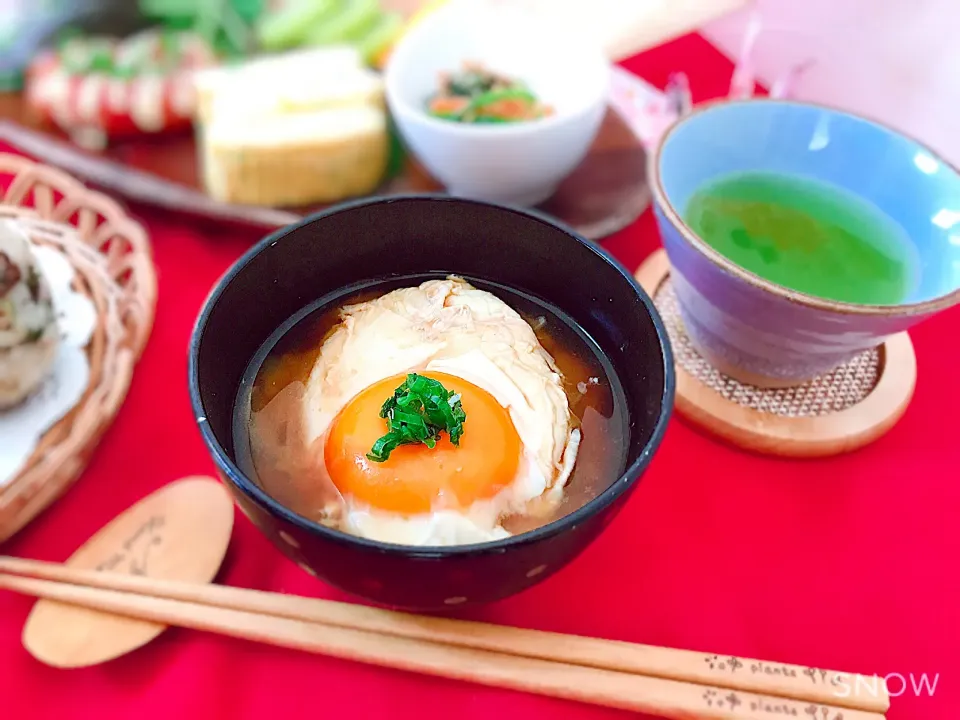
(519, 441)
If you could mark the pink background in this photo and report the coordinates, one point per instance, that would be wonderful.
(895, 60)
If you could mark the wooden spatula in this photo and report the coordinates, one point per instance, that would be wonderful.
(180, 532)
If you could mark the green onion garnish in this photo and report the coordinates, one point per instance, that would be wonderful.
(417, 412)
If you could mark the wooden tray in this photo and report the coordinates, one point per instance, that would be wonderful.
(112, 259)
(607, 192)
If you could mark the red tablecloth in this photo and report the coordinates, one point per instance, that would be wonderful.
(847, 563)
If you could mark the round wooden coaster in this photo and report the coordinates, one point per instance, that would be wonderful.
(841, 411)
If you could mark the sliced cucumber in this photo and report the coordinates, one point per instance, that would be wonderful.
(288, 27)
(348, 25)
(380, 37)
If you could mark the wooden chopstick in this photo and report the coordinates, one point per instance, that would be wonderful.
(664, 698)
(740, 674)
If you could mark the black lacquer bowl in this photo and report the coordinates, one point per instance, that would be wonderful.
(414, 235)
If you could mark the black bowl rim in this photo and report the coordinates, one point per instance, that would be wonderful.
(625, 481)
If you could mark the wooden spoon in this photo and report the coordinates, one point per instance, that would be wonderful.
(180, 532)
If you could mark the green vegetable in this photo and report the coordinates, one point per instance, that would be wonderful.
(417, 412)
(470, 112)
(86, 55)
(33, 284)
(225, 24)
(11, 80)
(351, 22)
(471, 82)
(397, 160)
(495, 96)
(163, 10)
(288, 27)
(380, 36)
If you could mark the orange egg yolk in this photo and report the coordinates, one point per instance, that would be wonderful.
(416, 478)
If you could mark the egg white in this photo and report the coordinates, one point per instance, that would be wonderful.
(451, 327)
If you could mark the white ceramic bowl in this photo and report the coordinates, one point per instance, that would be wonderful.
(517, 163)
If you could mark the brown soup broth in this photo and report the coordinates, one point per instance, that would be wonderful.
(265, 410)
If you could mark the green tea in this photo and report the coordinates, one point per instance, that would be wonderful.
(805, 236)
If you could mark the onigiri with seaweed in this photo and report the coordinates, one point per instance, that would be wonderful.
(29, 334)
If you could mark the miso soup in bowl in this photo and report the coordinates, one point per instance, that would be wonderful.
(799, 235)
(428, 401)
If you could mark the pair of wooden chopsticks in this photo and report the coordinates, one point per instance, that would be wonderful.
(659, 681)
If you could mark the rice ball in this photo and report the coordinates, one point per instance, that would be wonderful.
(29, 335)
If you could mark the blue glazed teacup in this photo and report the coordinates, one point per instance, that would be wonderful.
(762, 333)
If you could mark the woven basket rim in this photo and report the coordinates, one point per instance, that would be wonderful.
(111, 255)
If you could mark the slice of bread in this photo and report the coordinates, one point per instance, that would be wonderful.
(297, 80)
(296, 159)
(292, 130)
(289, 95)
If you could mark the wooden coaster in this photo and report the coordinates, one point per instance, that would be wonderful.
(838, 412)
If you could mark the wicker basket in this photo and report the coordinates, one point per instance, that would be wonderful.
(112, 259)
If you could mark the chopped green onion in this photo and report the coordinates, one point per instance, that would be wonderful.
(417, 413)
